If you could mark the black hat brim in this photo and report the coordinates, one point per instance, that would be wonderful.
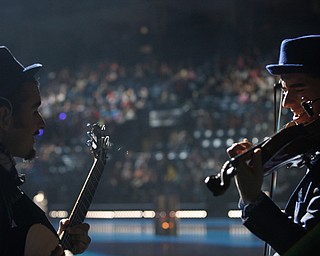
(276, 69)
(32, 70)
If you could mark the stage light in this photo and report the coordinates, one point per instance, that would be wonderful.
(58, 214)
(234, 213)
(62, 116)
(144, 30)
(165, 225)
(196, 214)
(136, 214)
(216, 143)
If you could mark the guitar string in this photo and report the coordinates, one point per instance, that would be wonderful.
(83, 208)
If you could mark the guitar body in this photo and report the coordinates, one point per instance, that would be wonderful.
(41, 241)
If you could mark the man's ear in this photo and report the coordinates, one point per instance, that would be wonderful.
(5, 117)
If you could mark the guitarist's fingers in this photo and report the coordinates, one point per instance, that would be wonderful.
(79, 246)
(63, 225)
(82, 228)
(82, 239)
(79, 237)
(58, 251)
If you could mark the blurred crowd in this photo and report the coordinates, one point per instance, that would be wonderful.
(170, 125)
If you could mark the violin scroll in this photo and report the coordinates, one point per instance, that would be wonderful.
(218, 184)
(213, 183)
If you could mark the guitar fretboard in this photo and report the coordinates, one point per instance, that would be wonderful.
(85, 197)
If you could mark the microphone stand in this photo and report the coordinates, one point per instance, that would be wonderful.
(276, 128)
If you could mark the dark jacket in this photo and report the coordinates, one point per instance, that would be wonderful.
(285, 229)
(17, 214)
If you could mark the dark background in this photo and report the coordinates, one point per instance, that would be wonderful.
(68, 35)
(71, 32)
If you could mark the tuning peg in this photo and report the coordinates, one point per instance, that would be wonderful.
(89, 143)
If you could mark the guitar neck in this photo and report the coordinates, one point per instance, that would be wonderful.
(84, 199)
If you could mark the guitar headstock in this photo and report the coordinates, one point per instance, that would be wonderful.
(98, 141)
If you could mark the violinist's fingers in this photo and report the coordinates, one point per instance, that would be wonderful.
(239, 148)
(246, 143)
(257, 162)
(249, 177)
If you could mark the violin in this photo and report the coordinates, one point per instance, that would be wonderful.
(293, 146)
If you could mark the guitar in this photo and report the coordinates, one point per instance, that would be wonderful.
(41, 241)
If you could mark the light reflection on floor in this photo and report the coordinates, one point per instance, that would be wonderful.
(202, 237)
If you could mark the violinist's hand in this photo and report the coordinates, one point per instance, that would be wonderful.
(78, 235)
(249, 176)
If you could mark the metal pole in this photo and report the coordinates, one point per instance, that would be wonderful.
(276, 128)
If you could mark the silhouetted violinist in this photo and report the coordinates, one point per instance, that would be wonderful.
(295, 145)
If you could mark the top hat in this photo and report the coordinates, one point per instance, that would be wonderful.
(11, 70)
(298, 55)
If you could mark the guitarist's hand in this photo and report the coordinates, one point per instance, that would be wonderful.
(78, 235)
(58, 251)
